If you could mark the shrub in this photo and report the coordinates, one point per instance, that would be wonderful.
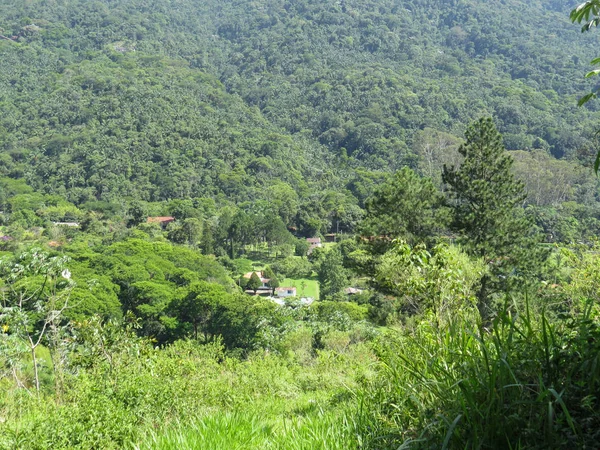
(293, 267)
(327, 311)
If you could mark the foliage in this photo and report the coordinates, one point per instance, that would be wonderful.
(407, 207)
(589, 13)
(35, 294)
(293, 267)
(331, 312)
(517, 386)
(488, 215)
(442, 281)
(318, 430)
(551, 182)
(123, 392)
(333, 277)
(273, 283)
(196, 304)
(302, 108)
(255, 125)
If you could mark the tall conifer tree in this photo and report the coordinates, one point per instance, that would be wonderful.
(488, 214)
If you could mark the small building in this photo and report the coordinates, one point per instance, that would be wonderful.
(330, 237)
(312, 244)
(66, 224)
(282, 292)
(352, 291)
(163, 221)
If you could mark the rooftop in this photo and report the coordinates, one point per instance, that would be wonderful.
(160, 219)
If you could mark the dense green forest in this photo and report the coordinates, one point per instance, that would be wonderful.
(305, 104)
(298, 224)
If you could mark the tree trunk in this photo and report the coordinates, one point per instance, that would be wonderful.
(35, 368)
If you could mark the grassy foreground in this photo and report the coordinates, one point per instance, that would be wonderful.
(528, 380)
(190, 395)
(241, 430)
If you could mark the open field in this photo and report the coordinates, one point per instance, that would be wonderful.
(306, 287)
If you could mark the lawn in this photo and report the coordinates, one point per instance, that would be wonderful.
(306, 287)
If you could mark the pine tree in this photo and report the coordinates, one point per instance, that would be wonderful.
(488, 214)
(406, 206)
(254, 283)
(268, 272)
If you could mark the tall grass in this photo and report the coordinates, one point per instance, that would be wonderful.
(189, 395)
(243, 430)
(524, 382)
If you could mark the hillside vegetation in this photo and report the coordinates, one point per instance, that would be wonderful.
(160, 100)
(419, 169)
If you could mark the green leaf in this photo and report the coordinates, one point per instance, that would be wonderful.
(592, 73)
(597, 163)
(560, 401)
(450, 431)
(586, 98)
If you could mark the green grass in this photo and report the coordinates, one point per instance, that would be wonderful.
(522, 383)
(190, 396)
(311, 286)
(244, 430)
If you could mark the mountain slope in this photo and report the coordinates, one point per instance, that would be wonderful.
(161, 99)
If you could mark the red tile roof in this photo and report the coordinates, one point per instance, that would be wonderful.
(164, 219)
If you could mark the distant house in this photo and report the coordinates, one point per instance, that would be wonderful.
(66, 224)
(330, 237)
(263, 280)
(352, 291)
(162, 221)
(312, 244)
(285, 292)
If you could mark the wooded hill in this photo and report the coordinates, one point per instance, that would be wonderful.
(155, 99)
(162, 162)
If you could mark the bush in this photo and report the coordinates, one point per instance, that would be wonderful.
(293, 267)
(327, 311)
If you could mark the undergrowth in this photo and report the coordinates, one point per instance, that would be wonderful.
(243, 430)
(523, 382)
(190, 395)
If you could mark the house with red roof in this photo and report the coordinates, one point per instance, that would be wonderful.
(163, 221)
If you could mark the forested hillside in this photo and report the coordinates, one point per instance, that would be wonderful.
(298, 224)
(160, 100)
